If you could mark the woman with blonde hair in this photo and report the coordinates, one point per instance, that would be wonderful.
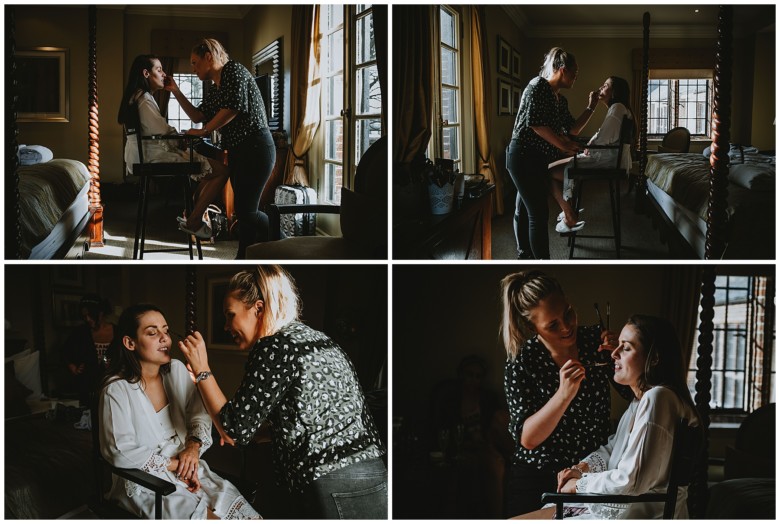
(235, 108)
(325, 440)
(556, 385)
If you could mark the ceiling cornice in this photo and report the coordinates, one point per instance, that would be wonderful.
(237, 12)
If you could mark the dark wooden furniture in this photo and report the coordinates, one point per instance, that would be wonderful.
(463, 234)
(685, 454)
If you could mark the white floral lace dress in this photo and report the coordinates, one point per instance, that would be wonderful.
(133, 435)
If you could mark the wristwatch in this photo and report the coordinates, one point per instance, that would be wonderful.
(203, 375)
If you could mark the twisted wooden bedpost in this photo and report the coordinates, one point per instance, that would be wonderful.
(698, 490)
(715, 243)
(13, 219)
(191, 292)
(641, 181)
(95, 205)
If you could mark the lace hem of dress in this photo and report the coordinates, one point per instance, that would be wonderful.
(607, 511)
(595, 463)
(240, 509)
(156, 463)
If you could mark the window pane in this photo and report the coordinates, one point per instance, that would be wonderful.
(359, 8)
(333, 182)
(192, 88)
(450, 143)
(333, 16)
(334, 145)
(449, 105)
(334, 96)
(367, 132)
(447, 28)
(365, 40)
(334, 59)
(368, 96)
(658, 107)
(449, 71)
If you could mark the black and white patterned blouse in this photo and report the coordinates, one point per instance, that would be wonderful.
(306, 386)
(540, 107)
(237, 91)
(532, 379)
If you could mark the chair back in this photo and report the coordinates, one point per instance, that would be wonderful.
(371, 171)
(686, 448)
(677, 140)
(626, 137)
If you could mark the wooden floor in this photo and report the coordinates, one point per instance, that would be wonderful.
(640, 241)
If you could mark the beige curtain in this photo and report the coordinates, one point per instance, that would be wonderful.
(305, 90)
(680, 302)
(412, 84)
(483, 103)
(162, 96)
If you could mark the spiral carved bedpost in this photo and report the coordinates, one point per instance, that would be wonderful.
(191, 292)
(640, 182)
(715, 243)
(698, 490)
(95, 205)
(13, 220)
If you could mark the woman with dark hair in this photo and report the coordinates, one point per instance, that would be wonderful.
(152, 418)
(635, 459)
(615, 95)
(86, 348)
(539, 137)
(326, 447)
(556, 382)
(235, 108)
(147, 77)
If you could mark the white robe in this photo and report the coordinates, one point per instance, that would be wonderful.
(635, 459)
(131, 436)
(153, 123)
(608, 134)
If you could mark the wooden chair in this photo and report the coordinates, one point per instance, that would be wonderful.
(610, 175)
(105, 508)
(149, 170)
(685, 453)
(676, 140)
(362, 215)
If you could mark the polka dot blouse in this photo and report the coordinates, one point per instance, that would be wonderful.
(540, 107)
(306, 386)
(532, 379)
(237, 91)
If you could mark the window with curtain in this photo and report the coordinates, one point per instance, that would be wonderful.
(192, 88)
(743, 370)
(448, 144)
(679, 102)
(351, 96)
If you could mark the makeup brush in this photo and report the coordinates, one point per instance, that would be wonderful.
(598, 313)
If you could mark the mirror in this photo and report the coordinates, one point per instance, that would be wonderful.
(42, 84)
(267, 65)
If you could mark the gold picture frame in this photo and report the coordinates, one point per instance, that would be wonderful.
(42, 76)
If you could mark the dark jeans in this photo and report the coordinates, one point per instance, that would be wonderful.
(529, 174)
(357, 491)
(251, 163)
(525, 486)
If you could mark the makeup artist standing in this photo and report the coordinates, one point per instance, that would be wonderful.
(326, 446)
(234, 107)
(558, 398)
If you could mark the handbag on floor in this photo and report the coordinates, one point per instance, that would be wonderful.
(218, 222)
(298, 224)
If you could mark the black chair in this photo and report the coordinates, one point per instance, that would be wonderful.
(676, 140)
(611, 175)
(105, 508)
(686, 448)
(149, 170)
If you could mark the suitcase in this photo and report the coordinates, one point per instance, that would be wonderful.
(298, 224)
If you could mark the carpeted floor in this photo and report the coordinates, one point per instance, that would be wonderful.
(639, 240)
(162, 232)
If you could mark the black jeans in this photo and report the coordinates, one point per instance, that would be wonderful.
(357, 491)
(251, 163)
(529, 174)
(525, 485)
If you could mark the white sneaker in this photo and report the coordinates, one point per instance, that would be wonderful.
(561, 215)
(561, 227)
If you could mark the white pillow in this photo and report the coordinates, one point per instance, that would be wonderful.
(28, 371)
(21, 354)
(31, 155)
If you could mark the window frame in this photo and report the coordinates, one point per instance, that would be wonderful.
(195, 101)
(436, 147)
(673, 104)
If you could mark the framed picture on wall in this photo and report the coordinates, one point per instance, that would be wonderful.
(517, 93)
(504, 98)
(42, 73)
(515, 65)
(66, 310)
(67, 276)
(216, 336)
(504, 57)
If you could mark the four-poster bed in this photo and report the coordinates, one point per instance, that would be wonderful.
(53, 209)
(710, 209)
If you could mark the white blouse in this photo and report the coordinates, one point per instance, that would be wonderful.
(635, 459)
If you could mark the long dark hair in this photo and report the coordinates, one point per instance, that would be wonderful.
(664, 365)
(135, 82)
(124, 363)
(621, 94)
